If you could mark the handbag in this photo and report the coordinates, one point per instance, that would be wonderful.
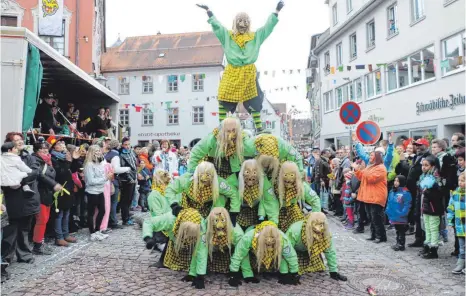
(76, 180)
(324, 198)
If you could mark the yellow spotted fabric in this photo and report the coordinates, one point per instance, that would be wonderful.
(268, 258)
(220, 242)
(290, 193)
(178, 261)
(186, 215)
(241, 39)
(288, 216)
(220, 262)
(238, 84)
(267, 145)
(251, 195)
(315, 262)
(160, 188)
(248, 216)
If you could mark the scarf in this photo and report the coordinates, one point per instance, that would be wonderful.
(203, 195)
(267, 145)
(160, 188)
(220, 242)
(47, 158)
(268, 258)
(164, 156)
(231, 150)
(241, 39)
(58, 155)
(290, 194)
(186, 215)
(318, 246)
(251, 194)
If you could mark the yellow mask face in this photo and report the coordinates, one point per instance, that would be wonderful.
(289, 179)
(242, 24)
(270, 243)
(318, 227)
(220, 225)
(231, 135)
(206, 178)
(251, 177)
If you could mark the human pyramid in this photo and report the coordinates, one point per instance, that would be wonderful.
(242, 207)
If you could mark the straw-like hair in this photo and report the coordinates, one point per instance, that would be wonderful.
(251, 164)
(205, 167)
(210, 228)
(238, 16)
(270, 162)
(289, 167)
(315, 216)
(269, 231)
(222, 139)
(188, 231)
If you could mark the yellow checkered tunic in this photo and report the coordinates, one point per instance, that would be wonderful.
(315, 262)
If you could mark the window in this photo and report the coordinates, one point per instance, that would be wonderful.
(172, 83)
(453, 51)
(342, 95)
(147, 85)
(403, 68)
(351, 96)
(370, 31)
(57, 42)
(426, 133)
(339, 54)
(327, 62)
(335, 14)
(378, 82)
(173, 116)
(147, 117)
(198, 115)
(392, 20)
(369, 78)
(124, 117)
(428, 56)
(416, 67)
(9, 21)
(353, 47)
(198, 82)
(349, 6)
(123, 86)
(328, 102)
(358, 88)
(373, 82)
(391, 77)
(417, 10)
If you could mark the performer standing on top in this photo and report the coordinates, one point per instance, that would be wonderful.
(241, 46)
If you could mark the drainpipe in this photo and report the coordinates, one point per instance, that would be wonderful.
(76, 54)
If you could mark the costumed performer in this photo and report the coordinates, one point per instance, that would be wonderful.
(241, 46)
(310, 238)
(202, 191)
(226, 148)
(257, 195)
(272, 251)
(292, 193)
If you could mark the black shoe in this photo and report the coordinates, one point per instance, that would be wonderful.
(425, 250)
(358, 230)
(398, 248)
(370, 238)
(380, 240)
(343, 219)
(144, 210)
(116, 226)
(39, 249)
(455, 253)
(324, 211)
(28, 261)
(391, 227)
(411, 230)
(432, 254)
(418, 243)
(5, 273)
(158, 264)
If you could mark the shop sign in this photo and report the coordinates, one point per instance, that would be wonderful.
(159, 135)
(441, 103)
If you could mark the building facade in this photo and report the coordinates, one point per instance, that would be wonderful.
(83, 31)
(168, 85)
(270, 117)
(403, 61)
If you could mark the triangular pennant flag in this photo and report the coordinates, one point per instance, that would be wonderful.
(340, 68)
(276, 89)
(360, 67)
(265, 72)
(291, 71)
(460, 60)
(138, 108)
(288, 88)
(133, 105)
(208, 99)
(203, 76)
(161, 103)
(380, 65)
(214, 113)
(273, 73)
(182, 77)
(348, 68)
(295, 87)
(176, 102)
(370, 67)
(281, 89)
(283, 71)
(332, 70)
(299, 71)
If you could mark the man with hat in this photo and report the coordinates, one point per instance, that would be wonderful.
(414, 172)
(44, 115)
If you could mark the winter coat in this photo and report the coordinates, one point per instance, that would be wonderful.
(12, 169)
(17, 203)
(432, 200)
(414, 172)
(387, 160)
(113, 157)
(355, 183)
(373, 188)
(145, 184)
(447, 173)
(95, 177)
(162, 160)
(44, 117)
(128, 159)
(64, 169)
(46, 182)
(402, 168)
(339, 176)
(457, 211)
(398, 205)
(346, 197)
(321, 171)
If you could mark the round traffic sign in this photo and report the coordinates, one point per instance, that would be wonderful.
(350, 113)
(368, 132)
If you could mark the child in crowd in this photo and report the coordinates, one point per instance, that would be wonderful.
(144, 182)
(348, 200)
(456, 217)
(432, 205)
(13, 169)
(460, 157)
(398, 206)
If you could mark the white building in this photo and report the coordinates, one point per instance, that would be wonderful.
(270, 117)
(167, 84)
(407, 67)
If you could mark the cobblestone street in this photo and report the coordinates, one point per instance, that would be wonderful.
(119, 266)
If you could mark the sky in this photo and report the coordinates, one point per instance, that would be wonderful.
(286, 48)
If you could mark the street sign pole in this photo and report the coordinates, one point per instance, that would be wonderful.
(351, 143)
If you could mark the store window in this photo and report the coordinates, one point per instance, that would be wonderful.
(370, 34)
(427, 133)
(147, 117)
(339, 51)
(57, 42)
(392, 20)
(198, 115)
(123, 88)
(124, 117)
(399, 136)
(172, 83)
(172, 116)
(328, 102)
(453, 53)
(198, 82)
(147, 85)
(353, 47)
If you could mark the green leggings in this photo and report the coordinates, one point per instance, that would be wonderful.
(431, 225)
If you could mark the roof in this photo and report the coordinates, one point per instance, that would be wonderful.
(164, 51)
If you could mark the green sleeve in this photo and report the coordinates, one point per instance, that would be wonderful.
(238, 234)
(294, 233)
(392, 173)
(270, 202)
(261, 211)
(331, 256)
(311, 198)
(241, 251)
(219, 30)
(199, 151)
(289, 153)
(231, 193)
(175, 188)
(158, 204)
(163, 222)
(249, 147)
(290, 256)
(264, 32)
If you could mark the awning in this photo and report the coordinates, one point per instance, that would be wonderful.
(61, 76)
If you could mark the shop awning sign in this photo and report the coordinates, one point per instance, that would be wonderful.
(368, 132)
(350, 113)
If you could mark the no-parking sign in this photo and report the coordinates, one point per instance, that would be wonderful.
(368, 132)
(350, 113)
